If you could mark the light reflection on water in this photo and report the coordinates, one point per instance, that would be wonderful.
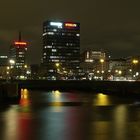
(101, 100)
(70, 116)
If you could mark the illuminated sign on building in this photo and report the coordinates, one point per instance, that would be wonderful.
(20, 43)
(70, 25)
(58, 24)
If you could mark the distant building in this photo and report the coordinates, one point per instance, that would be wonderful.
(3, 66)
(18, 51)
(17, 57)
(35, 71)
(94, 62)
(3, 60)
(61, 48)
(119, 69)
(93, 56)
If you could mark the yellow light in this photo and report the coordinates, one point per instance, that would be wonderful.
(102, 100)
(57, 64)
(8, 68)
(102, 60)
(98, 71)
(25, 66)
(120, 72)
(135, 61)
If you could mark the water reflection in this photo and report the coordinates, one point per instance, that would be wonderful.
(24, 100)
(120, 121)
(11, 123)
(102, 100)
(56, 115)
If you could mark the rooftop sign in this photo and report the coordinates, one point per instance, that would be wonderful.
(57, 24)
(20, 43)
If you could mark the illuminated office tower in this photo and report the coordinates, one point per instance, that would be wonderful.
(17, 59)
(61, 47)
(17, 54)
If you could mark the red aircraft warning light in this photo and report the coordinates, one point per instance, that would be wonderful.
(20, 43)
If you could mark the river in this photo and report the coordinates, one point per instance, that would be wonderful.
(70, 115)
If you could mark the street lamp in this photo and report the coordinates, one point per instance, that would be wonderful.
(102, 70)
(12, 63)
(135, 61)
(57, 64)
(134, 64)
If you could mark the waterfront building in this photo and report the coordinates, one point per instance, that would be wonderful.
(118, 69)
(61, 49)
(17, 58)
(94, 63)
(3, 66)
(134, 67)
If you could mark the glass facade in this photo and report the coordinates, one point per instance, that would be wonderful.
(61, 44)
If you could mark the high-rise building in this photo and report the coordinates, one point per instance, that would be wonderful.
(17, 59)
(18, 53)
(61, 48)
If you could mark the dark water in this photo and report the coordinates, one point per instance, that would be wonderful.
(57, 115)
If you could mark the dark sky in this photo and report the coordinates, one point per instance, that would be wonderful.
(111, 25)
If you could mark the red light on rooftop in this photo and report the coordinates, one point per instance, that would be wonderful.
(20, 43)
(70, 25)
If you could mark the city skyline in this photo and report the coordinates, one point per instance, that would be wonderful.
(107, 25)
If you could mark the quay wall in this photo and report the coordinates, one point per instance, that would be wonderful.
(123, 88)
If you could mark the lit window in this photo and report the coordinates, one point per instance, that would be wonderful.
(48, 46)
(55, 30)
(50, 33)
(54, 57)
(21, 52)
(44, 34)
(55, 60)
(51, 70)
(53, 50)
(21, 56)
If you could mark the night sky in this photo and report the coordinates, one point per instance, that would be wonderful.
(111, 25)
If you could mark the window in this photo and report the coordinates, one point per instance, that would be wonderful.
(50, 33)
(53, 50)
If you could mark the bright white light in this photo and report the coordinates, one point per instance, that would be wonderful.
(44, 34)
(50, 33)
(58, 24)
(109, 70)
(137, 73)
(3, 56)
(102, 71)
(28, 72)
(12, 61)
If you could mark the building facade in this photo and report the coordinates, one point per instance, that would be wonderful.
(17, 58)
(3, 67)
(61, 48)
